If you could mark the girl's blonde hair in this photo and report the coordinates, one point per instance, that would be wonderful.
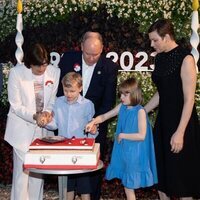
(133, 87)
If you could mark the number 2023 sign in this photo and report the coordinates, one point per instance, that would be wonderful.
(126, 60)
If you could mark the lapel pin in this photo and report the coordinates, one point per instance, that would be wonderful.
(77, 67)
(49, 83)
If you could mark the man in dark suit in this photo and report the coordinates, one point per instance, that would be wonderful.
(99, 85)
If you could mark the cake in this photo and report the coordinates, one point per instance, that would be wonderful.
(65, 154)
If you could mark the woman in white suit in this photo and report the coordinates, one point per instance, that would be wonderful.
(32, 89)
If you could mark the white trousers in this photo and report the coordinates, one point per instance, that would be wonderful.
(25, 185)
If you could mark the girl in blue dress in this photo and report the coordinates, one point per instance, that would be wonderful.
(133, 157)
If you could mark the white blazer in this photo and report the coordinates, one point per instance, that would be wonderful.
(20, 127)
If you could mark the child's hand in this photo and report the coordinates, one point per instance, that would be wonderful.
(91, 127)
(119, 137)
(94, 129)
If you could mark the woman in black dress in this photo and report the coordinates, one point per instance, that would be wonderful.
(176, 131)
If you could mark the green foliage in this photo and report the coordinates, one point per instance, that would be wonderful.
(4, 94)
(36, 13)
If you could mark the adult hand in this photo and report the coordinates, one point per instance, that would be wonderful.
(176, 142)
(43, 118)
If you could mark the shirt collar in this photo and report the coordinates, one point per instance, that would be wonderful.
(79, 100)
(86, 65)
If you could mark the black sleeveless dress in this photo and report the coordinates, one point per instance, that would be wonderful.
(178, 174)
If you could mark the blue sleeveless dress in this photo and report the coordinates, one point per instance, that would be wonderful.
(133, 162)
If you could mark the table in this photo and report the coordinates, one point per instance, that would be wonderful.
(62, 180)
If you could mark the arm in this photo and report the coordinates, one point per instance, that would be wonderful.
(52, 123)
(188, 77)
(101, 118)
(142, 127)
(91, 111)
(18, 96)
(153, 103)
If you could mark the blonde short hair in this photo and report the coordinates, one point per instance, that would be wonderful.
(71, 78)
